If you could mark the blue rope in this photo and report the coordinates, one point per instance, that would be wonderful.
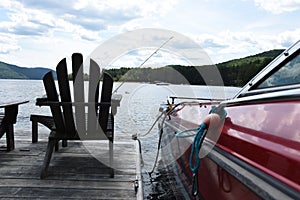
(181, 134)
(218, 110)
(196, 145)
(199, 138)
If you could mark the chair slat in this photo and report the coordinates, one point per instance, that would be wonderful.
(78, 89)
(53, 96)
(64, 88)
(94, 78)
(105, 98)
(77, 68)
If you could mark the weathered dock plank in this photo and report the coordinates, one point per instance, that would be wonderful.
(75, 172)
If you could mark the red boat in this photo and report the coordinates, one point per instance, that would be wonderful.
(251, 144)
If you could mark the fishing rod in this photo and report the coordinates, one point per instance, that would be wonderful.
(163, 44)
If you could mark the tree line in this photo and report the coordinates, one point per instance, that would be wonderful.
(233, 73)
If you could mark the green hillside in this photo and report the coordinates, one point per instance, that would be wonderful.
(239, 71)
(235, 72)
(8, 71)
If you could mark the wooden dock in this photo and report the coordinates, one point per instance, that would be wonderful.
(75, 172)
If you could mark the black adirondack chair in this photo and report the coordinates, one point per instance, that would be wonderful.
(70, 117)
(48, 121)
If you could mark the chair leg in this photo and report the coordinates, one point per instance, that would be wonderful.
(64, 143)
(57, 145)
(10, 137)
(50, 148)
(111, 159)
(34, 131)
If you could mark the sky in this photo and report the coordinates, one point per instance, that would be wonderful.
(41, 33)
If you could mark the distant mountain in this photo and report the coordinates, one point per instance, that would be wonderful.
(9, 71)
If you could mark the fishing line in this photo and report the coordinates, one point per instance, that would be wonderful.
(163, 44)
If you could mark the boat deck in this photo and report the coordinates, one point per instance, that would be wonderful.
(75, 172)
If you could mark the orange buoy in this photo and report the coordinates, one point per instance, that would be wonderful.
(212, 120)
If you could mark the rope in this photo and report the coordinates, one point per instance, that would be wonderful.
(194, 161)
(152, 125)
(198, 139)
(158, 145)
(196, 145)
(182, 135)
(135, 137)
(220, 111)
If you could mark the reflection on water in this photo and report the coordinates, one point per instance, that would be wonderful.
(138, 110)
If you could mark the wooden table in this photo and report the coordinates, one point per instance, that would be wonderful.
(7, 121)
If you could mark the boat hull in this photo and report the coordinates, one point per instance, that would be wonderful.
(240, 162)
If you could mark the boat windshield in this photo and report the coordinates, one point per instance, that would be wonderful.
(288, 74)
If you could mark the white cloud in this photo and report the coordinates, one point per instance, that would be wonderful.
(8, 43)
(229, 44)
(159, 59)
(45, 51)
(278, 6)
(102, 13)
(25, 21)
(30, 24)
(287, 38)
(33, 22)
(84, 19)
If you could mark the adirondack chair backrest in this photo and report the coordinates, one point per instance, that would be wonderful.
(72, 122)
(65, 97)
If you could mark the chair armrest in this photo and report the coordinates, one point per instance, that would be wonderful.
(40, 101)
(57, 103)
(116, 99)
(115, 102)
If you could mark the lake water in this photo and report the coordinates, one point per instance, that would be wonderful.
(139, 109)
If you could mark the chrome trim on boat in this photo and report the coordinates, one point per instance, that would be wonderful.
(287, 95)
(195, 98)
